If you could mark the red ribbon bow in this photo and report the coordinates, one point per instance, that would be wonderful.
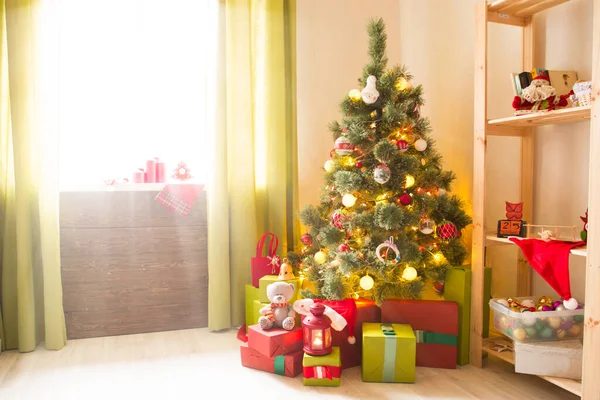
(322, 372)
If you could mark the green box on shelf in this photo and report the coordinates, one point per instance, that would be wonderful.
(389, 353)
(267, 280)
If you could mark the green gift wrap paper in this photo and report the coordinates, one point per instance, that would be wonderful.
(389, 353)
(331, 362)
(267, 280)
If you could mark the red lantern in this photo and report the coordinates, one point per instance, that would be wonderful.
(316, 328)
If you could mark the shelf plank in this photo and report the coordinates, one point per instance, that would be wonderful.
(562, 116)
(522, 8)
(570, 385)
(506, 19)
(580, 251)
(538, 7)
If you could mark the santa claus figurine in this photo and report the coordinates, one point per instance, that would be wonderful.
(539, 96)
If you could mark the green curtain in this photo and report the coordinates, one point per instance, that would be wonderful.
(32, 307)
(253, 185)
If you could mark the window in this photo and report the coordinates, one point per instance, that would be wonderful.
(134, 79)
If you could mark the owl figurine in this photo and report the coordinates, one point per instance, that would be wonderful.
(514, 211)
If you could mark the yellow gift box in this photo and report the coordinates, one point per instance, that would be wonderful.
(388, 353)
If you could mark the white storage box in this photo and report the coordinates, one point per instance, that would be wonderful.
(560, 358)
(537, 326)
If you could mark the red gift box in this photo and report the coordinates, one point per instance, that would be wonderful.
(285, 365)
(265, 265)
(436, 328)
(274, 342)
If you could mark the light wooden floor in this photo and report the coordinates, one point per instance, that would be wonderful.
(197, 364)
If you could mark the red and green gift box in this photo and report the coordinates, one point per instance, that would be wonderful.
(435, 324)
(322, 370)
(285, 364)
(274, 342)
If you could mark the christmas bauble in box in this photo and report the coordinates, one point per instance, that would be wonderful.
(343, 146)
(447, 230)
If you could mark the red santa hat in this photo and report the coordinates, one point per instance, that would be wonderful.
(541, 78)
(551, 260)
(342, 313)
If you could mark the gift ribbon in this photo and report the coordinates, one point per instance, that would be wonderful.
(322, 372)
(437, 338)
(279, 364)
(389, 353)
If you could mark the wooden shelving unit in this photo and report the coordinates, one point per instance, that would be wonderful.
(520, 13)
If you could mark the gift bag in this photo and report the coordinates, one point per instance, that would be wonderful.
(265, 265)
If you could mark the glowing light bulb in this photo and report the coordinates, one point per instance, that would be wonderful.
(354, 95)
(373, 125)
(348, 200)
(329, 165)
(438, 257)
(410, 181)
(409, 274)
(320, 257)
(366, 282)
(356, 296)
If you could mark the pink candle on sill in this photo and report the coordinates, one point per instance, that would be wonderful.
(150, 171)
(138, 176)
(161, 176)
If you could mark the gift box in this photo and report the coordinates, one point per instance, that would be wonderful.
(265, 265)
(251, 297)
(388, 353)
(561, 359)
(274, 342)
(266, 280)
(436, 328)
(457, 288)
(322, 370)
(285, 365)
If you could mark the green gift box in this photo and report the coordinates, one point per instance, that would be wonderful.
(389, 353)
(267, 280)
(323, 370)
(457, 288)
(251, 296)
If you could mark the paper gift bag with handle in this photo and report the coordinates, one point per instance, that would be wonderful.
(265, 265)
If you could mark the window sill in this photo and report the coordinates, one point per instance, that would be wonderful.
(123, 187)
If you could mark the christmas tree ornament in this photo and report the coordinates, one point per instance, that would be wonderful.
(438, 287)
(367, 240)
(519, 334)
(348, 200)
(402, 145)
(560, 307)
(355, 95)
(343, 248)
(409, 181)
(441, 191)
(336, 219)
(409, 274)
(566, 323)
(182, 172)
(546, 333)
(329, 165)
(528, 303)
(426, 226)
(285, 271)
(554, 322)
(382, 174)
(359, 164)
(381, 199)
(366, 282)
(421, 145)
(544, 300)
(306, 239)
(403, 84)
(561, 334)
(446, 230)
(405, 199)
(531, 332)
(388, 244)
(575, 330)
(343, 147)
(369, 93)
(423, 163)
(320, 257)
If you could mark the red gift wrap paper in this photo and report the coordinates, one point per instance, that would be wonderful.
(322, 372)
(431, 316)
(286, 365)
(274, 342)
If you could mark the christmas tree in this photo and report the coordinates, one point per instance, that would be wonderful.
(386, 221)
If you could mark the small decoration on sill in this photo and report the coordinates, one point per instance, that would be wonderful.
(512, 225)
(114, 182)
(182, 172)
(583, 233)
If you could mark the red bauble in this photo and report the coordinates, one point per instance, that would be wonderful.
(402, 145)
(306, 239)
(331, 153)
(438, 286)
(336, 219)
(359, 164)
(447, 230)
(343, 248)
(405, 199)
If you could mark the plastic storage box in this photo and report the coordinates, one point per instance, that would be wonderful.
(537, 326)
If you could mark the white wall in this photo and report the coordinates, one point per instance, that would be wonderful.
(435, 39)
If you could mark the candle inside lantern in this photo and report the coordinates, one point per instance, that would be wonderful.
(317, 331)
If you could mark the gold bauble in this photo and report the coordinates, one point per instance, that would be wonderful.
(402, 84)
(554, 322)
(355, 95)
(561, 334)
(519, 334)
(320, 257)
(575, 330)
(544, 301)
